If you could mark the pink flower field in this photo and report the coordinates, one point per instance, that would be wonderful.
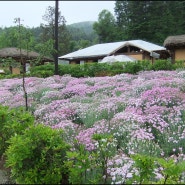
(144, 113)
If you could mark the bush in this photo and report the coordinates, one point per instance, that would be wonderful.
(12, 121)
(8, 76)
(169, 170)
(132, 67)
(161, 65)
(42, 71)
(89, 69)
(179, 64)
(37, 156)
(105, 69)
(145, 64)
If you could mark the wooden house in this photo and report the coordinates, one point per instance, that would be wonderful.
(20, 58)
(176, 47)
(137, 49)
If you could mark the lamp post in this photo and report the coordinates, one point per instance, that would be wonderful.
(56, 37)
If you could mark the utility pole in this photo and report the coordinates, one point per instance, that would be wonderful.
(56, 37)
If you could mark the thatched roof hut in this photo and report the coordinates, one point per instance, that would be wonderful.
(177, 41)
(27, 55)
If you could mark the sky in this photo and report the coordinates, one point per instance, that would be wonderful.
(31, 12)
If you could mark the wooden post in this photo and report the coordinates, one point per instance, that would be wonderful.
(56, 37)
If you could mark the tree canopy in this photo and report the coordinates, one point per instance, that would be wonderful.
(150, 20)
(106, 27)
(48, 30)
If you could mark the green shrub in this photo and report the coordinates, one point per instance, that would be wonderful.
(105, 69)
(145, 64)
(132, 67)
(90, 167)
(146, 167)
(8, 76)
(42, 71)
(171, 170)
(90, 69)
(12, 121)
(63, 69)
(115, 68)
(76, 70)
(179, 64)
(37, 156)
(161, 65)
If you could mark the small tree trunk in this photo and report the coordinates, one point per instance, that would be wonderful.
(24, 88)
(23, 65)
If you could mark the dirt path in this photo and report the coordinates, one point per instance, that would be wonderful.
(3, 177)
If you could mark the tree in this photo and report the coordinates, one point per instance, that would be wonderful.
(122, 19)
(44, 49)
(82, 35)
(106, 27)
(149, 20)
(9, 38)
(48, 30)
(177, 9)
(20, 39)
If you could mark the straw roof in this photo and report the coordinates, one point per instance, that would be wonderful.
(175, 41)
(15, 53)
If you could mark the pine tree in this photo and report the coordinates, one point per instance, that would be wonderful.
(150, 20)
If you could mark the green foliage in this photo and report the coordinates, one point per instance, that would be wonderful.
(8, 76)
(133, 20)
(132, 67)
(44, 49)
(37, 156)
(172, 171)
(145, 64)
(145, 166)
(48, 29)
(7, 62)
(87, 167)
(106, 27)
(12, 122)
(162, 65)
(9, 38)
(82, 35)
(104, 69)
(78, 164)
(116, 68)
(73, 70)
(72, 37)
(42, 70)
(106, 146)
(138, 19)
(179, 64)
(94, 69)
(84, 29)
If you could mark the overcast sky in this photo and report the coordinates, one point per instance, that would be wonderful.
(31, 12)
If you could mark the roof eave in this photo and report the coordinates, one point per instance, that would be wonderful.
(82, 57)
(131, 44)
